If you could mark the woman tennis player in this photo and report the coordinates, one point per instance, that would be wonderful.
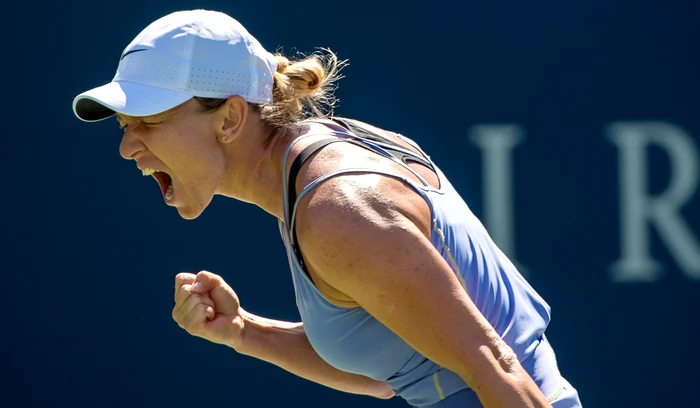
(399, 287)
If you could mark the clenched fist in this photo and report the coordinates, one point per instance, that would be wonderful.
(205, 306)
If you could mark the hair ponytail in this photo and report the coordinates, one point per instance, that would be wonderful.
(302, 89)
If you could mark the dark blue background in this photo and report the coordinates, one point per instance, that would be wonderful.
(90, 250)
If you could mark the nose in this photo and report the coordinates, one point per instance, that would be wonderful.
(130, 145)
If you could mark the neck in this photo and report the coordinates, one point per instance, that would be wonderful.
(254, 171)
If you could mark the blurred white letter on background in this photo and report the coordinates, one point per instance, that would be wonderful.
(639, 210)
(497, 143)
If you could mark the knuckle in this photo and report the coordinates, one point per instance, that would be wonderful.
(200, 310)
(207, 274)
(182, 294)
(183, 277)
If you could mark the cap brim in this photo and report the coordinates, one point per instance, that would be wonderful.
(127, 98)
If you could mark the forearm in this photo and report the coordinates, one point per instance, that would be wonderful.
(285, 344)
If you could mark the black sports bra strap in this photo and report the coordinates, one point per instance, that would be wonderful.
(291, 183)
(359, 131)
(373, 136)
(296, 166)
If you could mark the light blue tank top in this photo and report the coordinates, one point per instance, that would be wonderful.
(351, 340)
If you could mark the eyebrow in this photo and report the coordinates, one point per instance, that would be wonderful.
(158, 117)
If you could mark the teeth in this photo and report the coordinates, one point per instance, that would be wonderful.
(169, 193)
(147, 172)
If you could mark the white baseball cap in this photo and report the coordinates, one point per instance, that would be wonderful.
(179, 56)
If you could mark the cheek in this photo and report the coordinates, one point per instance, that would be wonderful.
(187, 149)
(204, 168)
(195, 159)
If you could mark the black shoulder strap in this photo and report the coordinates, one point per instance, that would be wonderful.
(364, 133)
(360, 131)
(291, 183)
(296, 166)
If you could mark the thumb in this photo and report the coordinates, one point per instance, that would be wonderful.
(206, 282)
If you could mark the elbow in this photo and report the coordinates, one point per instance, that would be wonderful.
(387, 395)
(384, 391)
(494, 362)
(496, 375)
(507, 359)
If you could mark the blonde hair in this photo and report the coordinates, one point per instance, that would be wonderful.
(303, 89)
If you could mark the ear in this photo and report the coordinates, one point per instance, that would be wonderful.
(233, 115)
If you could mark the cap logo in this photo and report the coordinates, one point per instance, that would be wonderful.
(131, 52)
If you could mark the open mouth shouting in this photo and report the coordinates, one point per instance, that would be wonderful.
(164, 181)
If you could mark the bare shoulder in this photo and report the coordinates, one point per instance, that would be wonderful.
(367, 195)
(351, 223)
(358, 203)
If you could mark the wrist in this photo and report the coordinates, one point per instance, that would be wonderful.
(238, 341)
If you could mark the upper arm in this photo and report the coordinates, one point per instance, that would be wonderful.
(371, 250)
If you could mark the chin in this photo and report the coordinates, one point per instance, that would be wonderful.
(188, 216)
(190, 212)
